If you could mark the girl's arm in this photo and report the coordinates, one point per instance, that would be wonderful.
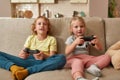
(97, 43)
(71, 47)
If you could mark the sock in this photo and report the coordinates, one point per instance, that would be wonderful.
(81, 78)
(96, 78)
(21, 74)
(94, 70)
(15, 68)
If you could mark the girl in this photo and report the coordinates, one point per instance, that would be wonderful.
(45, 60)
(79, 57)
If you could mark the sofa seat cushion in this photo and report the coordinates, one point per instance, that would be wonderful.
(5, 75)
(52, 75)
(109, 73)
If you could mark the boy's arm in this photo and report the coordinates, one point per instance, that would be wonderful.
(50, 54)
(23, 54)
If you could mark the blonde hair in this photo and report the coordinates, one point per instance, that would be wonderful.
(34, 25)
(74, 19)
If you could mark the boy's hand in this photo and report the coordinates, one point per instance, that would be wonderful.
(39, 56)
(23, 55)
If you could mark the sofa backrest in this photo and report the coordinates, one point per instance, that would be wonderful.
(13, 33)
(112, 29)
(95, 26)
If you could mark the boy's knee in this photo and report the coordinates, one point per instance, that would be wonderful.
(61, 59)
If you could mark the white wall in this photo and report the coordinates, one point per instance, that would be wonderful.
(98, 8)
(5, 8)
(65, 7)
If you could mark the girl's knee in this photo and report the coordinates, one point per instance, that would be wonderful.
(78, 61)
(107, 57)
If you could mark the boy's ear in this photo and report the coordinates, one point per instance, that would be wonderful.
(35, 29)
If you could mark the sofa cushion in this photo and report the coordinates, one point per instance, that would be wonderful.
(95, 26)
(13, 34)
(64, 74)
(60, 29)
(51, 75)
(108, 74)
(5, 75)
(112, 29)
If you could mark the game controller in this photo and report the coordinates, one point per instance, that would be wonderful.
(27, 50)
(88, 38)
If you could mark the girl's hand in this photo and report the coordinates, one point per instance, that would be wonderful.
(96, 43)
(23, 55)
(79, 40)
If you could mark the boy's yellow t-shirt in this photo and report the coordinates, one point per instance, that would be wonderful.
(46, 45)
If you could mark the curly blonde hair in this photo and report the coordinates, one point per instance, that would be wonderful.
(34, 25)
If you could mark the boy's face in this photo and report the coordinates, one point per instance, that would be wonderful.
(41, 26)
(78, 28)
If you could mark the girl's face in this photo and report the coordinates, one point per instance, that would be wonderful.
(41, 26)
(77, 28)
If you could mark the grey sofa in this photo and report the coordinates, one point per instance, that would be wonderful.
(13, 33)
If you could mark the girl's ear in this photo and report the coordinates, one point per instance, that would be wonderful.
(71, 31)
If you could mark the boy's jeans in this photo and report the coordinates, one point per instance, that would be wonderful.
(33, 66)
